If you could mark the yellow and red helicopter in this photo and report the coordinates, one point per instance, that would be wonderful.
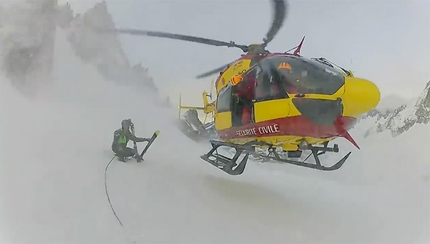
(279, 101)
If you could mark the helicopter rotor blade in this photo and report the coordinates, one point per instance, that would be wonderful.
(214, 71)
(188, 38)
(279, 16)
(280, 9)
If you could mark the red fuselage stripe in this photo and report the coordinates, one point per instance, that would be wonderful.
(290, 126)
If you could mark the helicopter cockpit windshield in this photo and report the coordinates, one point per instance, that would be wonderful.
(301, 75)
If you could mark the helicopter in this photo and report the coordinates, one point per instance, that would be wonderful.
(191, 125)
(278, 100)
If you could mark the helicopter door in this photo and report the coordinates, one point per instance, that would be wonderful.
(223, 115)
(270, 99)
(242, 111)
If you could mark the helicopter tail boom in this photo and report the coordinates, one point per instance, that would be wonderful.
(230, 166)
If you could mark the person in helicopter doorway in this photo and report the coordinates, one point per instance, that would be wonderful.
(121, 137)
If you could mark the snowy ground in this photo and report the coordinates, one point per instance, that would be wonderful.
(54, 152)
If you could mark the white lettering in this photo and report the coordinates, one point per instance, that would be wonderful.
(262, 130)
(246, 132)
(269, 129)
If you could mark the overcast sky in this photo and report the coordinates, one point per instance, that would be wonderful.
(387, 42)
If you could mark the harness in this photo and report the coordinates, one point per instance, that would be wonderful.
(122, 139)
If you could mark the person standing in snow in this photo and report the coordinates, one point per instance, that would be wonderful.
(122, 137)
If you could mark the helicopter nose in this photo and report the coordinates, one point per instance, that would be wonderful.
(360, 96)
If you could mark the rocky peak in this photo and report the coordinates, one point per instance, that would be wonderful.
(423, 106)
(404, 117)
(104, 51)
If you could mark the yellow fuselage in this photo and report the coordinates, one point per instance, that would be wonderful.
(357, 95)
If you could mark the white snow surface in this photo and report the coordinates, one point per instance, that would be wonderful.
(54, 152)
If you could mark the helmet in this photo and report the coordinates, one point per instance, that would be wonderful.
(126, 123)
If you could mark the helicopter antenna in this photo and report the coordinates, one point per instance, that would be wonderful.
(291, 49)
(299, 47)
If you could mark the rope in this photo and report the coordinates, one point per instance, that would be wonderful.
(107, 194)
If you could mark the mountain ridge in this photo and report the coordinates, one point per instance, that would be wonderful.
(105, 52)
(402, 118)
(27, 36)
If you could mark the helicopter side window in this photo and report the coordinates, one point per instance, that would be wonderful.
(300, 75)
(269, 84)
(245, 89)
(224, 99)
(262, 88)
(277, 89)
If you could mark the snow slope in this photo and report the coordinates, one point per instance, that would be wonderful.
(54, 152)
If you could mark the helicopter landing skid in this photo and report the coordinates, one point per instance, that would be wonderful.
(224, 163)
(230, 166)
(316, 152)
